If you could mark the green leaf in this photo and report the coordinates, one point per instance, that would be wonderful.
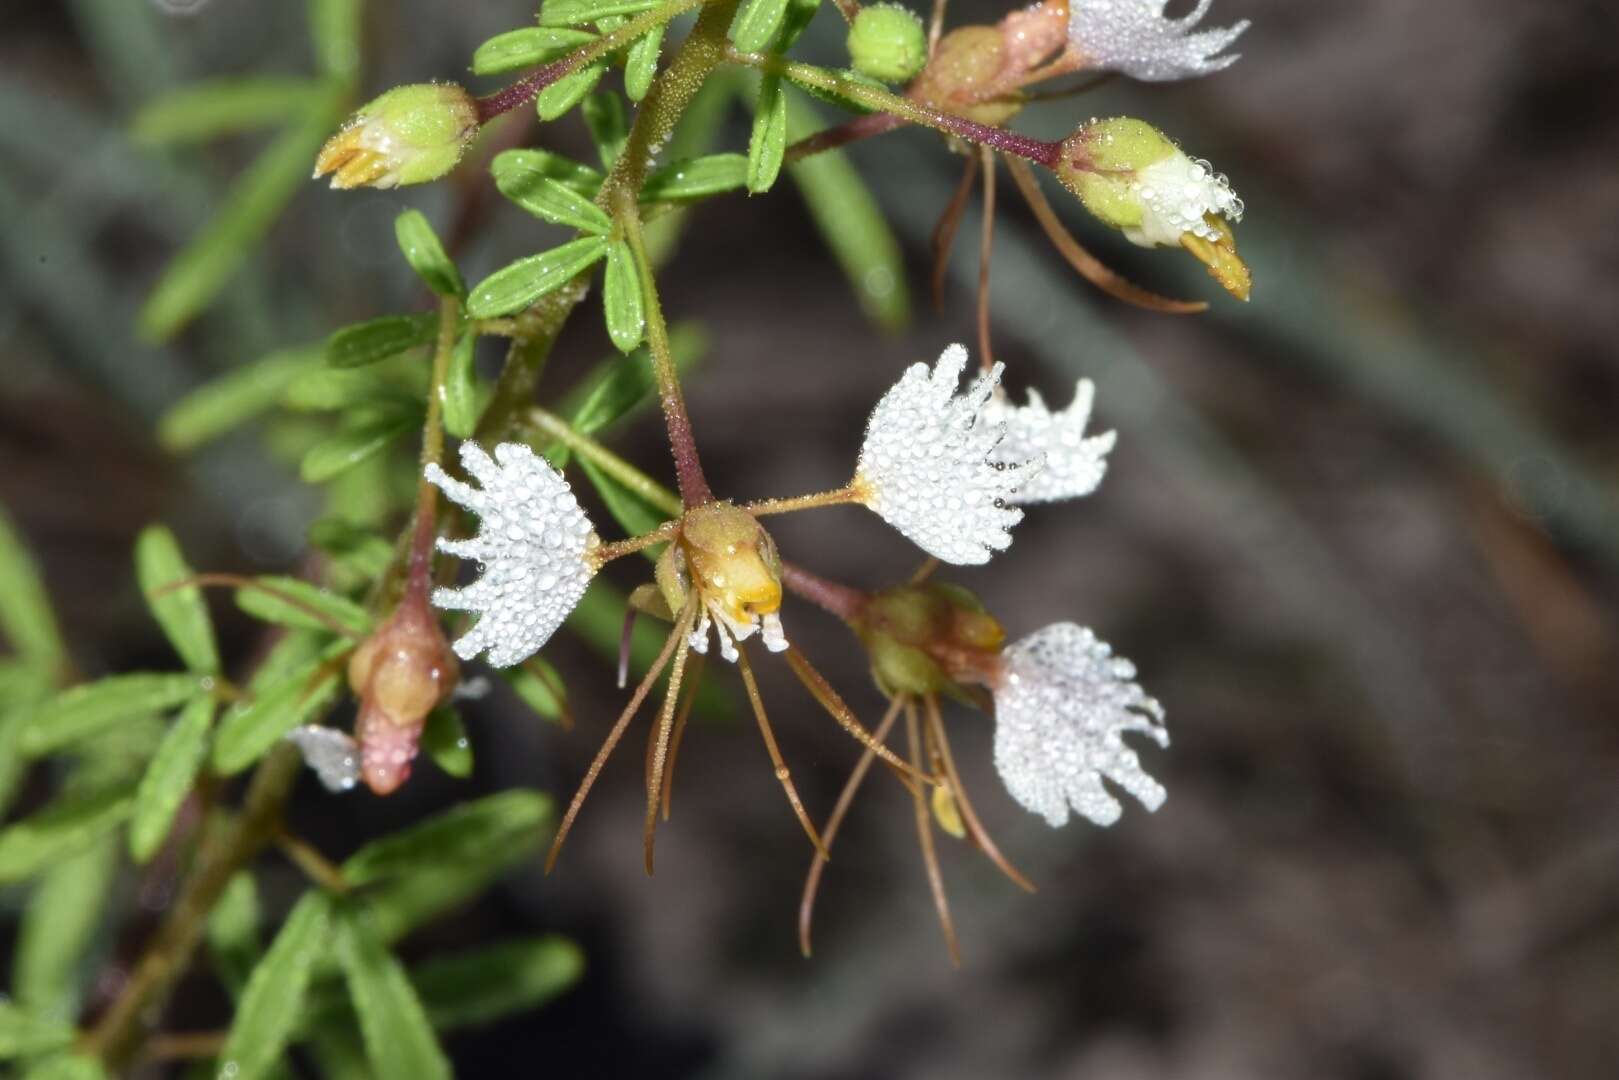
(628, 381)
(24, 1033)
(472, 833)
(169, 778)
(180, 612)
(696, 178)
(540, 687)
(88, 709)
(194, 276)
(273, 999)
(445, 741)
(25, 607)
(767, 145)
(509, 166)
(425, 254)
(58, 927)
(574, 12)
(609, 127)
(480, 986)
(756, 23)
(460, 396)
(66, 1066)
(69, 824)
(347, 542)
(327, 389)
(233, 932)
(799, 14)
(364, 439)
(641, 63)
(289, 601)
(551, 200)
(398, 1038)
(334, 31)
(209, 108)
(628, 509)
(249, 729)
(856, 230)
(621, 298)
(524, 48)
(231, 400)
(567, 91)
(378, 339)
(519, 284)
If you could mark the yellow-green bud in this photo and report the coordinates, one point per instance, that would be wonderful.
(928, 638)
(409, 135)
(887, 42)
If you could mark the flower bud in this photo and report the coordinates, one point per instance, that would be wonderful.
(1132, 177)
(409, 135)
(929, 638)
(887, 42)
(400, 674)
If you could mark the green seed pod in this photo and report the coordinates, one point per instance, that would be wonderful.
(887, 42)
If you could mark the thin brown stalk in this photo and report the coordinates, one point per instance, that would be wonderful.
(694, 681)
(936, 25)
(782, 773)
(678, 633)
(944, 233)
(986, 248)
(924, 833)
(975, 828)
(840, 809)
(666, 723)
(829, 700)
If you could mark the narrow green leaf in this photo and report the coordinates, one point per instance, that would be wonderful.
(856, 230)
(574, 12)
(88, 709)
(169, 778)
(425, 254)
(632, 513)
(621, 298)
(69, 824)
(641, 63)
(328, 389)
(608, 124)
(797, 20)
(194, 276)
(524, 48)
(233, 399)
(519, 284)
(551, 200)
(233, 932)
(250, 729)
(398, 1038)
(364, 439)
(767, 145)
(181, 613)
(348, 542)
(567, 91)
(25, 607)
(58, 927)
(627, 382)
(460, 396)
(210, 108)
(472, 833)
(480, 986)
(539, 685)
(756, 23)
(289, 601)
(576, 176)
(67, 1066)
(445, 741)
(274, 995)
(334, 31)
(378, 339)
(23, 1033)
(696, 178)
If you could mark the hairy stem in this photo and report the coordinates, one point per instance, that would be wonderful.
(842, 495)
(841, 600)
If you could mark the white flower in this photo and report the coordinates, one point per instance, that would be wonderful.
(1074, 463)
(1175, 193)
(532, 545)
(1061, 706)
(730, 630)
(1135, 37)
(333, 754)
(926, 466)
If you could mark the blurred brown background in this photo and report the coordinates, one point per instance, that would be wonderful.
(1360, 537)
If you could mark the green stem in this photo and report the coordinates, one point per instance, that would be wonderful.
(649, 490)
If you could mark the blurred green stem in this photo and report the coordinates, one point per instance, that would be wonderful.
(648, 489)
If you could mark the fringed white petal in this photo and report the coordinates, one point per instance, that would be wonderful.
(532, 547)
(332, 754)
(1136, 38)
(1061, 709)
(1177, 194)
(927, 465)
(1074, 462)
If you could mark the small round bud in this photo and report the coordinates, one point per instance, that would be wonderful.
(928, 638)
(887, 42)
(409, 135)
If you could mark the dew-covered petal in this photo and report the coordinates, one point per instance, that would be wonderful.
(928, 464)
(332, 754)
(1136, 38)
(1177, 194)
(532, 548)
(1074, 462)
(1061, 708)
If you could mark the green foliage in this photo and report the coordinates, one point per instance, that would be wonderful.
(71, 823)
(445, 742)
(621, 298)
(65, 910)
(524, 48)
(214, 108)
(609, 126)
(87, 710)
(540, 687)
(23, 1033)
(513, 169)
(425, 254)
(767, 144)
(575, 12)
(480, 986)
(757, 23)
(169, 777)
(272, 1001)
(290, 602)
(461, 395)
(399, 1040)
(519, 284)
(568, 91)
(234, 398)
(551, 200)
(249, 729)
(25, 611)
(696, 178)
(641, 64)
(472, 834)
(364, 434)
(378, 339)
(181, 612)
